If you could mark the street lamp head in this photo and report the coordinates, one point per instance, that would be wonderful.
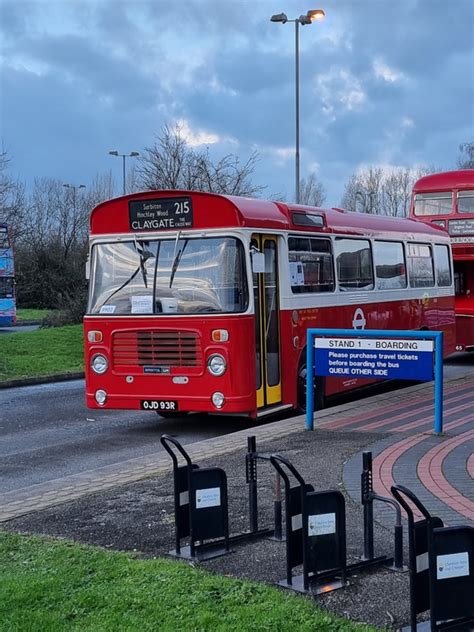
(312, 16)
(316, 15)
(72, 186)
(113, 153)
(279, 17)
(135, 153)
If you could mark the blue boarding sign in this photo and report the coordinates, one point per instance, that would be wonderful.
(380, 358)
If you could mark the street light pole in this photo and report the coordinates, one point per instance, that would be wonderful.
(309, 18)
(74, 189)
(297, 107)
(132, 154)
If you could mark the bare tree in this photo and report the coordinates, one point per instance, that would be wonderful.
(382, 191)
(362, 192)
(170, 163)
(466, 159)
(52, 250)
(12, 198)
(133, 181)
(312, 191)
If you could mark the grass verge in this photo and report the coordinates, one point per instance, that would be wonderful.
(28, 314)
(52, 586)
(41, 352)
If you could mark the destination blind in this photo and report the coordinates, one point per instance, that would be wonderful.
(160, 214)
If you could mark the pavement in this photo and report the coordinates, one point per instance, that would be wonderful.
(439, 469)
(129, 505)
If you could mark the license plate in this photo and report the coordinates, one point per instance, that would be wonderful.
(159, 404)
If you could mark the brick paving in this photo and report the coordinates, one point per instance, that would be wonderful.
(440, 469)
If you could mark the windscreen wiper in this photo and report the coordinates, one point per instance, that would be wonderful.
(144, 256)
(176, 261)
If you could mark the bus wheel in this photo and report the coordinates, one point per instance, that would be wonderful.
(171, 414)
(301, 390)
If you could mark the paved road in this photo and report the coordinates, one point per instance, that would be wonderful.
(46, 431)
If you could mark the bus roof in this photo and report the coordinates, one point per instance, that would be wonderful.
(212, 210)
(445, 181)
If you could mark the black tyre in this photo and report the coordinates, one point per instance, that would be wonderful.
(318, 383)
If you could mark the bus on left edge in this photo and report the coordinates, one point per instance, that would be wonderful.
(7, 280)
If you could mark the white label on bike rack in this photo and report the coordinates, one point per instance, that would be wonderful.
(422, 562)
(322, 524)
(296, 522)
(210, 497)
(454, 565)
(184, 498)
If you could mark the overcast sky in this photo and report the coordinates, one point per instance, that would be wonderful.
(383, 82)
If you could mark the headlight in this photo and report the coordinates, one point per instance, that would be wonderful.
(100, 397)
(218, 400)
(216, 364)
(99, 363)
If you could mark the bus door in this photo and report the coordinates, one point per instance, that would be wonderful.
(267, 328)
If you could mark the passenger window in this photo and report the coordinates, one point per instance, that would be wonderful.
(434, 203)
(354, 264)
(443, 266)
(389, 265)
(311, 267)
(466, 202)
(420, 265)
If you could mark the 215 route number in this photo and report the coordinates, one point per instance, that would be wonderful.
(181, 208)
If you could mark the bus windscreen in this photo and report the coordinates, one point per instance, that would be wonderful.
(166, 276)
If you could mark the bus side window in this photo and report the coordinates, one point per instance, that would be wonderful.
(443, 266)
(420, 265)
(311, 265)
(354, 264)
(389, 265)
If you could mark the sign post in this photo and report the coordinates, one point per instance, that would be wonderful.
(385, 355)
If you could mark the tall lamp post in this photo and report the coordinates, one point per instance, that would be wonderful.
(132, 154)
(309, 18)
(74, 189)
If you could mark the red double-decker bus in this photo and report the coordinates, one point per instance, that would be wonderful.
(447, 200)
(201, 302)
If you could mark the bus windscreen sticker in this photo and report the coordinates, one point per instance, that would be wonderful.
(161, 214)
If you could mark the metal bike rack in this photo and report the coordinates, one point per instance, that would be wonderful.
(367, 498)
(315, 534)
(251, 460)
(441, 566)
(201, 504)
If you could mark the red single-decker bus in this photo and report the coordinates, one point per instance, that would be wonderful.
(200, 302)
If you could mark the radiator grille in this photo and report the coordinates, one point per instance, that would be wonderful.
(158, 348)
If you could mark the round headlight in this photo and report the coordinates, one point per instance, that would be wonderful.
(99, 364)
(218, 399)
(100, 397)
(216, 364)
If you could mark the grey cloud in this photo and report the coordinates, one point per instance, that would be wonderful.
(115, 80)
